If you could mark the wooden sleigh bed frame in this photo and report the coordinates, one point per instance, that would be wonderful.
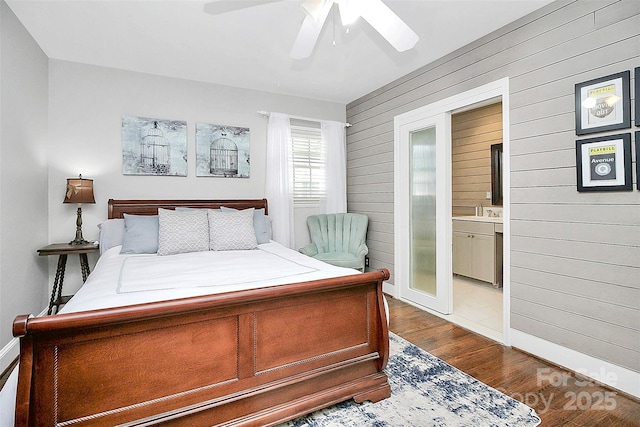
(247, 358)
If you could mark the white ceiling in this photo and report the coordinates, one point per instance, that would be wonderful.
(250, 48)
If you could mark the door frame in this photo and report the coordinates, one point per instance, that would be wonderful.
(472, 98)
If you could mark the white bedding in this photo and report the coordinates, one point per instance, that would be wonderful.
(119, 280)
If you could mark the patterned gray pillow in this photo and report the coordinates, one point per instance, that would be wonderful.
(229, 231)
(184, 231)
(261, 224)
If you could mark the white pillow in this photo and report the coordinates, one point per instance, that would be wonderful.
(111, 233)
(230, 231)
(182, 231)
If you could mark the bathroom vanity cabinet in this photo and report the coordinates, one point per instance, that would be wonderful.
(475, 249)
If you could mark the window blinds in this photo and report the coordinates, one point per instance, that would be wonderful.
(309, 164)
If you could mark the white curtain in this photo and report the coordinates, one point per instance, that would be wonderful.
(333, 136)
(278, 192)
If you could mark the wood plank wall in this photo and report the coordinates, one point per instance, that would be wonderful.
(575, 257)
(472, 134)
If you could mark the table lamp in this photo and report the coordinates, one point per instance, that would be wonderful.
(79, 190)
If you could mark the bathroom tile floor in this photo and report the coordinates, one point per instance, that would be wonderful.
(477, 306)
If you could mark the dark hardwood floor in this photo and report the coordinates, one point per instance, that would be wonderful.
(558, 396)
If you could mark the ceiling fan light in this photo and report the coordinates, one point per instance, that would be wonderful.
(314, 8)
(375, 12)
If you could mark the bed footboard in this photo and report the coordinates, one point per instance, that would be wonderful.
(251, 358)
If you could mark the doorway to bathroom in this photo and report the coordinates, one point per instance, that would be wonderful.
(423, 207)
(477, 214)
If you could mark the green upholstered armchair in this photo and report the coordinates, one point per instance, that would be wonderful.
(338, 239)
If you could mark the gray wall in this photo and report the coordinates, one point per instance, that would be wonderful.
(23, 172)
(60, 119)
(85, 113)
(575, 257)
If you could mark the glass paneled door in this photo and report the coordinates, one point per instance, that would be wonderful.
(422, 207)
(423, 259)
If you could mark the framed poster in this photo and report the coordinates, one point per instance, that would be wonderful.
(637, 96)
(638, 158)
(154, 146)
(604, 163)
(603, 104)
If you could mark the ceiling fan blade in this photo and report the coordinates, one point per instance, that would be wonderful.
(218, 7)
(309, 33)
(389, 25)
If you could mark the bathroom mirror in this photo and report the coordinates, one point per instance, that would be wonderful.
(496, 174)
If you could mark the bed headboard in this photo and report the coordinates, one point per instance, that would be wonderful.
(117, 208)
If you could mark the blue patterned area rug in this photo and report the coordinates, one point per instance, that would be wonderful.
(425, 391)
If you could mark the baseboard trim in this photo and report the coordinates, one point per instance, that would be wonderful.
(389, 288)
(8, 354)
(11, 351)
(614, 376)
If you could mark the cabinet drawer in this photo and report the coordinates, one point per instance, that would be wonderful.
(475, 227)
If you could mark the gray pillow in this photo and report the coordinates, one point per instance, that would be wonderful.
(111, 233)
(230, 231)
(261, 224)
(140, 234)
(182, 231)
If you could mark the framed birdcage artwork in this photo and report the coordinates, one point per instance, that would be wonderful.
(604, 163)
(154, 146)
(603, 104)
(222, 151)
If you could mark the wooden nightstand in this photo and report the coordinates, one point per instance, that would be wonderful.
(64, 249)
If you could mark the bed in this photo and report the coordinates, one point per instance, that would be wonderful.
(198, 353)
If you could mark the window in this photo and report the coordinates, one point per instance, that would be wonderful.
(309, 164)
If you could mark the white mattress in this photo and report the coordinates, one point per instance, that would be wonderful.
(119, 280)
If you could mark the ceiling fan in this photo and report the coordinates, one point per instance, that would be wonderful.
(375, 12)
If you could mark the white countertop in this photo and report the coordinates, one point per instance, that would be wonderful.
(493, 219)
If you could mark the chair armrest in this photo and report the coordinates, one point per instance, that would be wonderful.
(310, 250)
(362, 250)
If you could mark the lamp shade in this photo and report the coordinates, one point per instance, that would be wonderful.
(79, 190)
